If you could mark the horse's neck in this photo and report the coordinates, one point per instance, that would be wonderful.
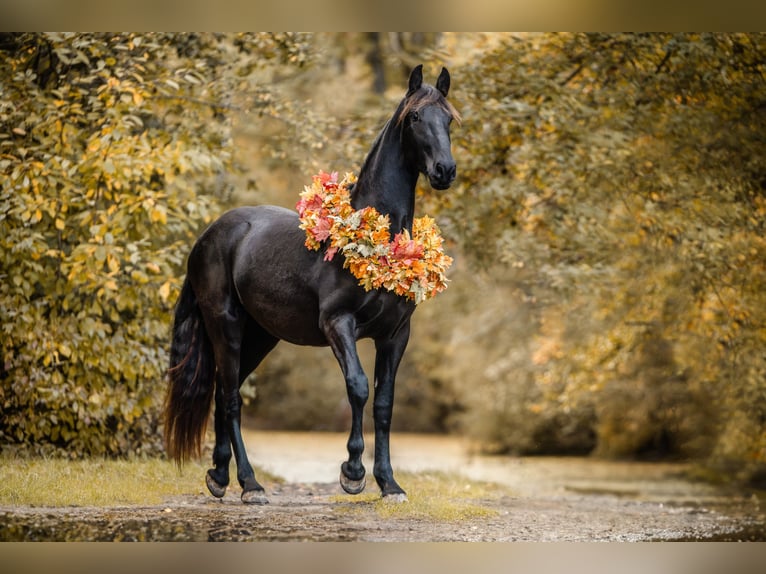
(387, 182)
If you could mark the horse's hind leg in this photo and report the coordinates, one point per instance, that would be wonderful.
(217, 479)
(225, 322)
(256, 344)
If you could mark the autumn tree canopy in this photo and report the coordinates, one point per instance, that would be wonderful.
(607, 225)
(114, 151)
(623, 177)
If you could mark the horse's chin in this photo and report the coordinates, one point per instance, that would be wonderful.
(440, 185)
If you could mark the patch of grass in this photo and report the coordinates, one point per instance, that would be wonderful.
(98, 482)
(431, 495)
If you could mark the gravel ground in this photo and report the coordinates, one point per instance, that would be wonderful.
(540, 500)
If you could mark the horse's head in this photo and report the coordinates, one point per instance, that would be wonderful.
(426, 116)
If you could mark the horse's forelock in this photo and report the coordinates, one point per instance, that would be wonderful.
(427, 96)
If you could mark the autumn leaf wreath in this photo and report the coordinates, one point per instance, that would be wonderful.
(412, 267)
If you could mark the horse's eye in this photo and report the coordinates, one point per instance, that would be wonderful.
(415, 117)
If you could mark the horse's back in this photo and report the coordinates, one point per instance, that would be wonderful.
(250, 217)
(249, 230)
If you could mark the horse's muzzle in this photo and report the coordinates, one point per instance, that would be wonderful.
(443, 175)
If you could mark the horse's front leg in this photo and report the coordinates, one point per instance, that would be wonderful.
(341, 334)
(389, 353)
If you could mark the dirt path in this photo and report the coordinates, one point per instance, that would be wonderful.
(540, 500)
(313, 512)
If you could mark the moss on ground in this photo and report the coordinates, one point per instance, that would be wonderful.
(60, 482)
(431, 495)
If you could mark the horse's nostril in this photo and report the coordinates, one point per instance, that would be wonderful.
(445, 172)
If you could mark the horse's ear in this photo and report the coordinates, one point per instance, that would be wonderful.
(442, 84)
(416, 79)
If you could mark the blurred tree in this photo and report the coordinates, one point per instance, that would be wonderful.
(623, 176)
(114, 150)
(612, 188)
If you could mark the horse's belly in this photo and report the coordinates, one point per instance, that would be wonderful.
(295, 320)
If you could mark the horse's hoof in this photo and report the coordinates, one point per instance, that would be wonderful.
(397, 498)
(254, 497)
(215, 489)
(352, 486)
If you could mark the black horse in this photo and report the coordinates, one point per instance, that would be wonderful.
(251, 282)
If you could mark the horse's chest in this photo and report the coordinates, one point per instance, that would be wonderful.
(382, 316)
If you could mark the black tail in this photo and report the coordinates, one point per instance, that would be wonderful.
(192, 380)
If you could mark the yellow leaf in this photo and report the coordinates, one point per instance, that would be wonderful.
(139, 277)
(60, 224)
(158, 214)
(165, 291)
(113, 263)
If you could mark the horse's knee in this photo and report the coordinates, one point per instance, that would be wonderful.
(358, 388)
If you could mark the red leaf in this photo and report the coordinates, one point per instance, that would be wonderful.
(406, 250)
(321, 230)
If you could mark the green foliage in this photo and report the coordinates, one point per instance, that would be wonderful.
(114, 150)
